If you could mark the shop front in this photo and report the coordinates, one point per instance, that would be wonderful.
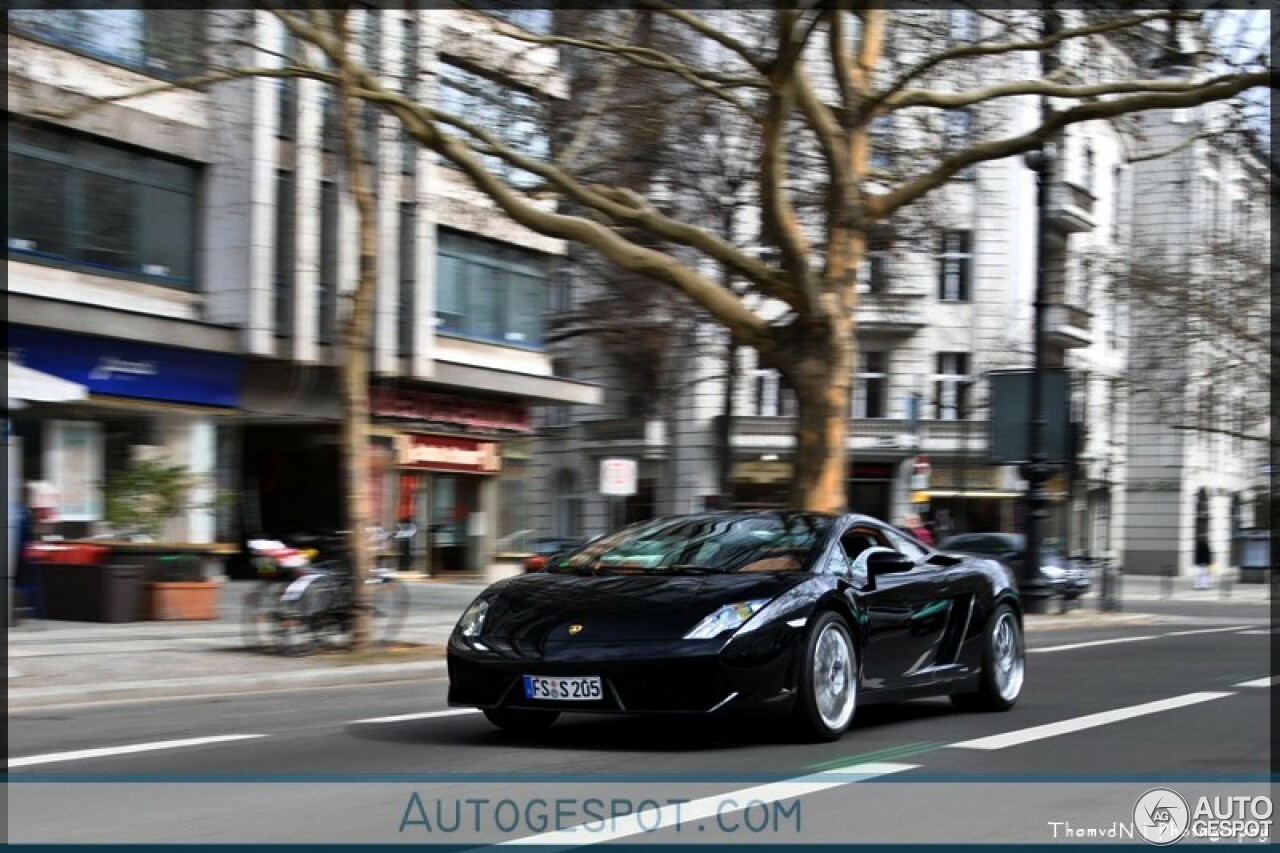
(449, 476)
(143, 400)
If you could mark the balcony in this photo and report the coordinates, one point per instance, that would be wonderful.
(890, 314)
(1068, 326)
(1070, 208)
(644, 436)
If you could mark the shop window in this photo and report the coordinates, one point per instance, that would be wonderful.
(490, 291)
(73, 463)
(73, 200)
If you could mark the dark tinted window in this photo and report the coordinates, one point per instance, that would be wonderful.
(704, 543)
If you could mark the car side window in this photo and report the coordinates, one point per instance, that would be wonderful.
(855, 544)
(907, 546)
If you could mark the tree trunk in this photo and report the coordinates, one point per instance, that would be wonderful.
(357, 333)
(821, 380)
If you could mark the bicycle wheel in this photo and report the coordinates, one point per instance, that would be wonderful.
(292, 620)
(256, 614)
(329, 612)
(388, 603)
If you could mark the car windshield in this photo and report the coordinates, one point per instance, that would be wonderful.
(702, 544)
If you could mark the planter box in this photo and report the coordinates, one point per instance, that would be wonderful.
(183, 601)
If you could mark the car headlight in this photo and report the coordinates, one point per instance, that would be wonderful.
(473, 618)
(727, 618)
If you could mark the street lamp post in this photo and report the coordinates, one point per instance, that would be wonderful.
(1035, 589)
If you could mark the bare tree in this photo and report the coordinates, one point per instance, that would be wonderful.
(810, 89)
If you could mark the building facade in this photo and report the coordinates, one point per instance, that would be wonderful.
(190, 256)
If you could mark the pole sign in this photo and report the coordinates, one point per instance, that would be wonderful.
(920, 471)
(1009, 441)
(618, 477)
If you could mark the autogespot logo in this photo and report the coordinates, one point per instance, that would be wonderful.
(1161, 816)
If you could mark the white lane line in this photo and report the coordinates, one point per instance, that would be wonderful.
(1071, 646)
(1266, 631)
(76, 755)
(1258, 682)
(1021, 736)
(649, 820)
(425, 715)
(1206, 631)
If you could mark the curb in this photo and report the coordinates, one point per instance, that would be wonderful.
(179, 688)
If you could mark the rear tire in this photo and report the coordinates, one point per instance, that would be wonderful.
(828, 684)
(1003, 665)
(521, 720)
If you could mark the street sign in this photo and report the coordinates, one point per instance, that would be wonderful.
(618, 477)
(920, 470)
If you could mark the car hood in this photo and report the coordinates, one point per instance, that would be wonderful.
(532, 610)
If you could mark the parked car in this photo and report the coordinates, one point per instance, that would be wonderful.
(545, 547)
(1068, 580)
(789, 613)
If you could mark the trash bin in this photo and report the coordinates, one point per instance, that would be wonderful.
(85, 592)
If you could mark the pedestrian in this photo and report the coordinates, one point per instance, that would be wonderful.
(916, 528)
(1204, 557)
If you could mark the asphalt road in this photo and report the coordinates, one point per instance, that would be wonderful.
(1107, 714)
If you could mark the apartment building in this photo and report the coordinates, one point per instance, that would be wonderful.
(188, 257)
(945, 299)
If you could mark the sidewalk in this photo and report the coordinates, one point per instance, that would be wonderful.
(56, 663)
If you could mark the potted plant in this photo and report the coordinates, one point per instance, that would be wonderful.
(139, 500)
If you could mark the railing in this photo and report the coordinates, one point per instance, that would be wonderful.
(615, 429)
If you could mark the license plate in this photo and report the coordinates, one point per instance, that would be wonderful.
(562, 689)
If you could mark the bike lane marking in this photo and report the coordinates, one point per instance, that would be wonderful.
(650, 820)
(102, 752)
(1089, 721)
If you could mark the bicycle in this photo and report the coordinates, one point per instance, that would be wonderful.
(315, 606)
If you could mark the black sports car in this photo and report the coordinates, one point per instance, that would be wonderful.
(789, 612)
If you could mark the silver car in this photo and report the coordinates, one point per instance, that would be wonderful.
(1067, 579)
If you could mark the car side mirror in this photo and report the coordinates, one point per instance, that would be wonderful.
(888, 563)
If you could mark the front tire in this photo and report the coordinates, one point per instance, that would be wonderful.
(1003, 665)
(828, 684)
(521, 720)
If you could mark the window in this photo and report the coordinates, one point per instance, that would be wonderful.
(73, 463)
(874, 273)
(537, 21)
(285, 260)
(1090, 166)
(962, 26)
(162, 42)
(327, 304)
(100, 207)
(517, 118)
(773, 397)
(287, 118)
(870, 388)
(409, 145)
(951, 387)
(1117, 178)
(490, 290)
(881, 141)
(408, 276)
(370, 114)
(955, 266)
(957, 135)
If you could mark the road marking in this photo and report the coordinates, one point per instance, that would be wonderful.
(76, 755)
(426, 715)
(1258, 682)
(1021, 736)
(1266, 631)
(1071, 646)
(1091, 643)
(649, 820)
